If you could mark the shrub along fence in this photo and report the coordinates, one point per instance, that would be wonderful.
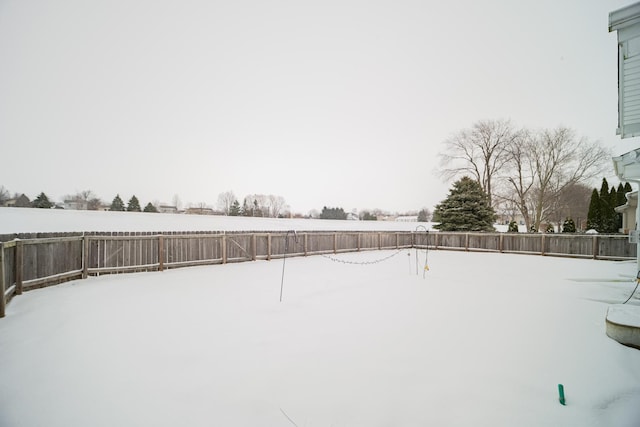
(30, 261)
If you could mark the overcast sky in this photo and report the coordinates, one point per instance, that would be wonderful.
(325, 103)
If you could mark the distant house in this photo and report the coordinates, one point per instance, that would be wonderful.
(628, 211)
(76, 204)
(407, 218)
(200, 211)
(20, 202)
(167, 209)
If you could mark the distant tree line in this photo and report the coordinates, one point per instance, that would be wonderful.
(253, 205)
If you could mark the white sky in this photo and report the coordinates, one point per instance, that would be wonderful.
(336, 103)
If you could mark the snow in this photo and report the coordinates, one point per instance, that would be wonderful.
(624, 315)
(25, 220)
(482, 339)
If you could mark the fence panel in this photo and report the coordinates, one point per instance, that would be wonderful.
(452, 240)
(320, 242)
(576, 245)
(615, 247)
(346, 242)
(239, 247)
(483, 241)
(50, 261)
(522, 243)
(369, 240)
(185, 250)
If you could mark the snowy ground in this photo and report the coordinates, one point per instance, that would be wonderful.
(25, 220)
(482, 340)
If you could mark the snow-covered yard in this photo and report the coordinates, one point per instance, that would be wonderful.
(482, 339)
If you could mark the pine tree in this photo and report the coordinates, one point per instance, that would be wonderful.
(594, 216)
(245, 210)
(42, 201)
(117, 204)
(621, 200)
(235, 209)
(568, 226)
(466, 208)
(606, 208)
(423, 215)
(134, 204)
(150, 208)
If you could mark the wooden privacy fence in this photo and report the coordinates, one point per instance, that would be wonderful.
(30, 262)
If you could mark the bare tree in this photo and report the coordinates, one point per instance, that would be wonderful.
(571, 202)
(225, 200)
(176, 201)
(265, 205)
(4, 195)
(519, 179)
(84, 200)
(480, 151)
(276, 203)
(543, 166)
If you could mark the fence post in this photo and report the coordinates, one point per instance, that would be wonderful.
(3, 300)
(466, 241)
(397, 241)
(379, 241)
(85, 256)
(224, 249)
(305, 244)
(269, 247)
(160, 252)
(19, 263)
(335, 243)
(253, 247)
(542, 243)
(359, 236)
(595, 246)
(501, 243)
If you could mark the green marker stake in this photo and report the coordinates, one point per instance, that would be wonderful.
(561, 393)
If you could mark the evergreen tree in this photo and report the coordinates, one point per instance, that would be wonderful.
(235, 209)
(607, 212)
(423, 215)
(134, 204)
(42, 201)
(621, 200)
(333, 213)
(513, 227)
(466, 208)
(150, 208)
(594, 216)
(368, 216)
(620, 195)
(550, 229)
(117, 204)
(245, 211)
(568, 226)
